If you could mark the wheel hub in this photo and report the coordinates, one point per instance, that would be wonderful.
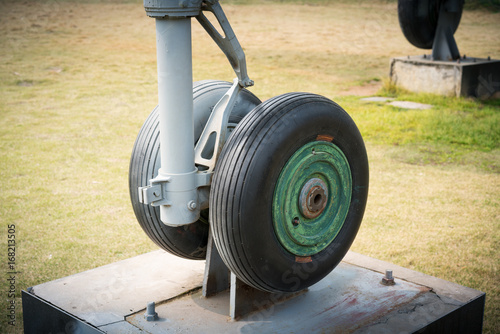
(313, 198)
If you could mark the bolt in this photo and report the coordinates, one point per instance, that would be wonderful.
(156, 194)
(150, 314)
(388, 279)
(388, 274)
(192, 205)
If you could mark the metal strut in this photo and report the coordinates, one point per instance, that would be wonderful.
(444, 46)
(180, 189)
(228, 44)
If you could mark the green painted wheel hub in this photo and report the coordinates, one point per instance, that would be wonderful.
(312, 198)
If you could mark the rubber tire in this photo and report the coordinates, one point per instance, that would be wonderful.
(243, 187)
(418, 20)
(188, 241)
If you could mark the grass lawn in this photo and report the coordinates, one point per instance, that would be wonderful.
(77, 80)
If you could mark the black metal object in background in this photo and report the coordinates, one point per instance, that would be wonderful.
(430, 24)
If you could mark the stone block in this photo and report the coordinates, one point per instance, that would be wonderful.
(476, 77)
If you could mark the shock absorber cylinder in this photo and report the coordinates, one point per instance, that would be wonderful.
(174, 190)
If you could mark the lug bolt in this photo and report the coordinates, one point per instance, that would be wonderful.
(388, 279)
(150, 314)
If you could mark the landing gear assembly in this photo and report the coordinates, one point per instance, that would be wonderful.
(271, 194)
(280, 185)
(431, 24)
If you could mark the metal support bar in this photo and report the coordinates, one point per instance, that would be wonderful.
(228, 44)
(216, 277)
(444, 46)
(213, 137)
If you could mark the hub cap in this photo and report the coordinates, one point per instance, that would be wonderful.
(312, 198)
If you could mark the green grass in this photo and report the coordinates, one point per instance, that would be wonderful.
(460, 131)
(76, 83)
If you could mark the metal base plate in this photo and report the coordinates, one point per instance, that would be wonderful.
(113, 299)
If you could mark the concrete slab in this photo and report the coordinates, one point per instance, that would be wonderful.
(113, 298)
(410, 105)
(477, 77)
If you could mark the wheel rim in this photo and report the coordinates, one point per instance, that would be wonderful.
(312, 198)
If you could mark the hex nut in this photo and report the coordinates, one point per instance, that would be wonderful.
(388, 279)
(151, 314)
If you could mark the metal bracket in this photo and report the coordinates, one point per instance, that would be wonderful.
(153, 194)
(157, 192)
(214, 134)
(228, 44)
(444, 46)
(243, 299)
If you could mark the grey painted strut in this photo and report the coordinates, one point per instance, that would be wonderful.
(175, 189)
(175, 94)
(175, 98)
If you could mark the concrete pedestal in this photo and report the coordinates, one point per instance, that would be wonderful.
(113, 299)
(474, 77)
